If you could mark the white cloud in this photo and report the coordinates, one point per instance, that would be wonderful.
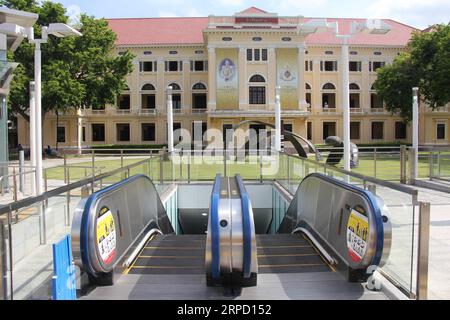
(419, 13)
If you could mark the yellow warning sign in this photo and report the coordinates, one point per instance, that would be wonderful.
(106, 235)
(357, 235)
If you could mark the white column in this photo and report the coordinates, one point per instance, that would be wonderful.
(278, 119)
(212, 78)
(272, 76)
(186, 100)
(169, 119)
(415, 137)
(302, 104)
(80, 131)
(346, 102)
(38, 103)
(33, 135)
(242, 78)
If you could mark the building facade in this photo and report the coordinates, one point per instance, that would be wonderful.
(225, 70)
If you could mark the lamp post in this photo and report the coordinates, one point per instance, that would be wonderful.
(415, 137)
(59, 30)
(371, 26)
(169, 119)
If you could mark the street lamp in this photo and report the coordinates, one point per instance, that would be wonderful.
(370, 26)
(59, 30)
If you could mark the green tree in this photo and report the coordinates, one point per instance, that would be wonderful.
(426, 65)
(77, 72)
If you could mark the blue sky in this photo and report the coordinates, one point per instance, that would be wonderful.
(418, 13)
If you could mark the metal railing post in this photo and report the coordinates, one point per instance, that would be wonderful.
(67, 220)
(439, 164)
(15, 184)
(412, 165)
(121, 158)
(225, 163)
(431, 163)
(260, 168)
(375, 163)
(423, 251)
(189, 167)
(10, 253)
(161, 169)
(403, 164)
(21, 170)
(3, 270)
(45, 180)
(93, 169)
(42, 223)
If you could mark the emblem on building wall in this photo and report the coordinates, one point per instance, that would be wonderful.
(286, 74)
(227, 70)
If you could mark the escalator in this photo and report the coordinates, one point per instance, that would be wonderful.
(171, 254)
(289, 253)
(330, 228)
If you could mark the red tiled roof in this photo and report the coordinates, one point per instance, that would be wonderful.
(398, 36)
(253, 10)
(151, 31)
(167, 31)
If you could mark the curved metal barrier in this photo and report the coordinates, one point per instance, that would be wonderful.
(347, 224)
(231, 239)
(111, 222)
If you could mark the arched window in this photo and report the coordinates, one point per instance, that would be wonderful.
(328, 86)
(148, 99)
(257, 94)
(199, 99)
(308, 87)
(355, 101)
(376, 104)
(354, 86)
(175, 86)
(308, 94)
(126, 88)
(148, 87)
(199, 86)
(257, 79)
(329, 98)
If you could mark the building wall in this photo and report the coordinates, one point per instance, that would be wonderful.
(241, 41)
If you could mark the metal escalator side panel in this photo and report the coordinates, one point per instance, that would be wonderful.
(335, 212)
(212, 254)
(110, 222)
(250, 263)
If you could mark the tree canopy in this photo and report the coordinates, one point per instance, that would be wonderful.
(425, 65)
(77, 72)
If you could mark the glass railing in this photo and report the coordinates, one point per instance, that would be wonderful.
(32, 224)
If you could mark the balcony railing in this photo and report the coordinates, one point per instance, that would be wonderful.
(356, 110)
(377, 110)
(147, 112)
(96, 112)
(329, 110)
(198, 110)
(442, 109)
(123, 111)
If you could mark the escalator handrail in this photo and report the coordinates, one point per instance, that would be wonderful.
(215, 229)
(376, 260)
(247, 228)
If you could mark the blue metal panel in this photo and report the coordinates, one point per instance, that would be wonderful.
(64, 279)
(215, 229)
(246, 226)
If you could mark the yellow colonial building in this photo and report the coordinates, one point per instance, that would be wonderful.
(225, 70)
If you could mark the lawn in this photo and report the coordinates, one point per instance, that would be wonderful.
(388, 168)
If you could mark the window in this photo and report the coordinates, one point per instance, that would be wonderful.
(257, 55)
(308, 94)
(199, 86)
(124, 102)
(249, 55)
(257, 95)
(375, 65)
(400, 130)
(61, 134)
(199, 101)
(148, 101)
(98, 132)
(328, 86)
(355, 130)
(227, 39)
(328, 66)
(198, 130)
(354, 96)
(123, 132)
(288, 127)
(177, 132)
(377, 130)
(147, 66)
(199, 52)
(257, 78)
(329, 129)
(309, 66)
(83, 134)
(173, 52)
(147, 53)
(173, 66)
(148, 87)
(309, 131)
(377, 53)
(329, 98)
(256, 39)
(353, 53)
(227, 134)
(175, 86)
(329, 52)
(176, 100)
(376, 102)
(148, 132)
(286, 39)
(355, 66)
(264, 54)
(440, 131)
(199, 65)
